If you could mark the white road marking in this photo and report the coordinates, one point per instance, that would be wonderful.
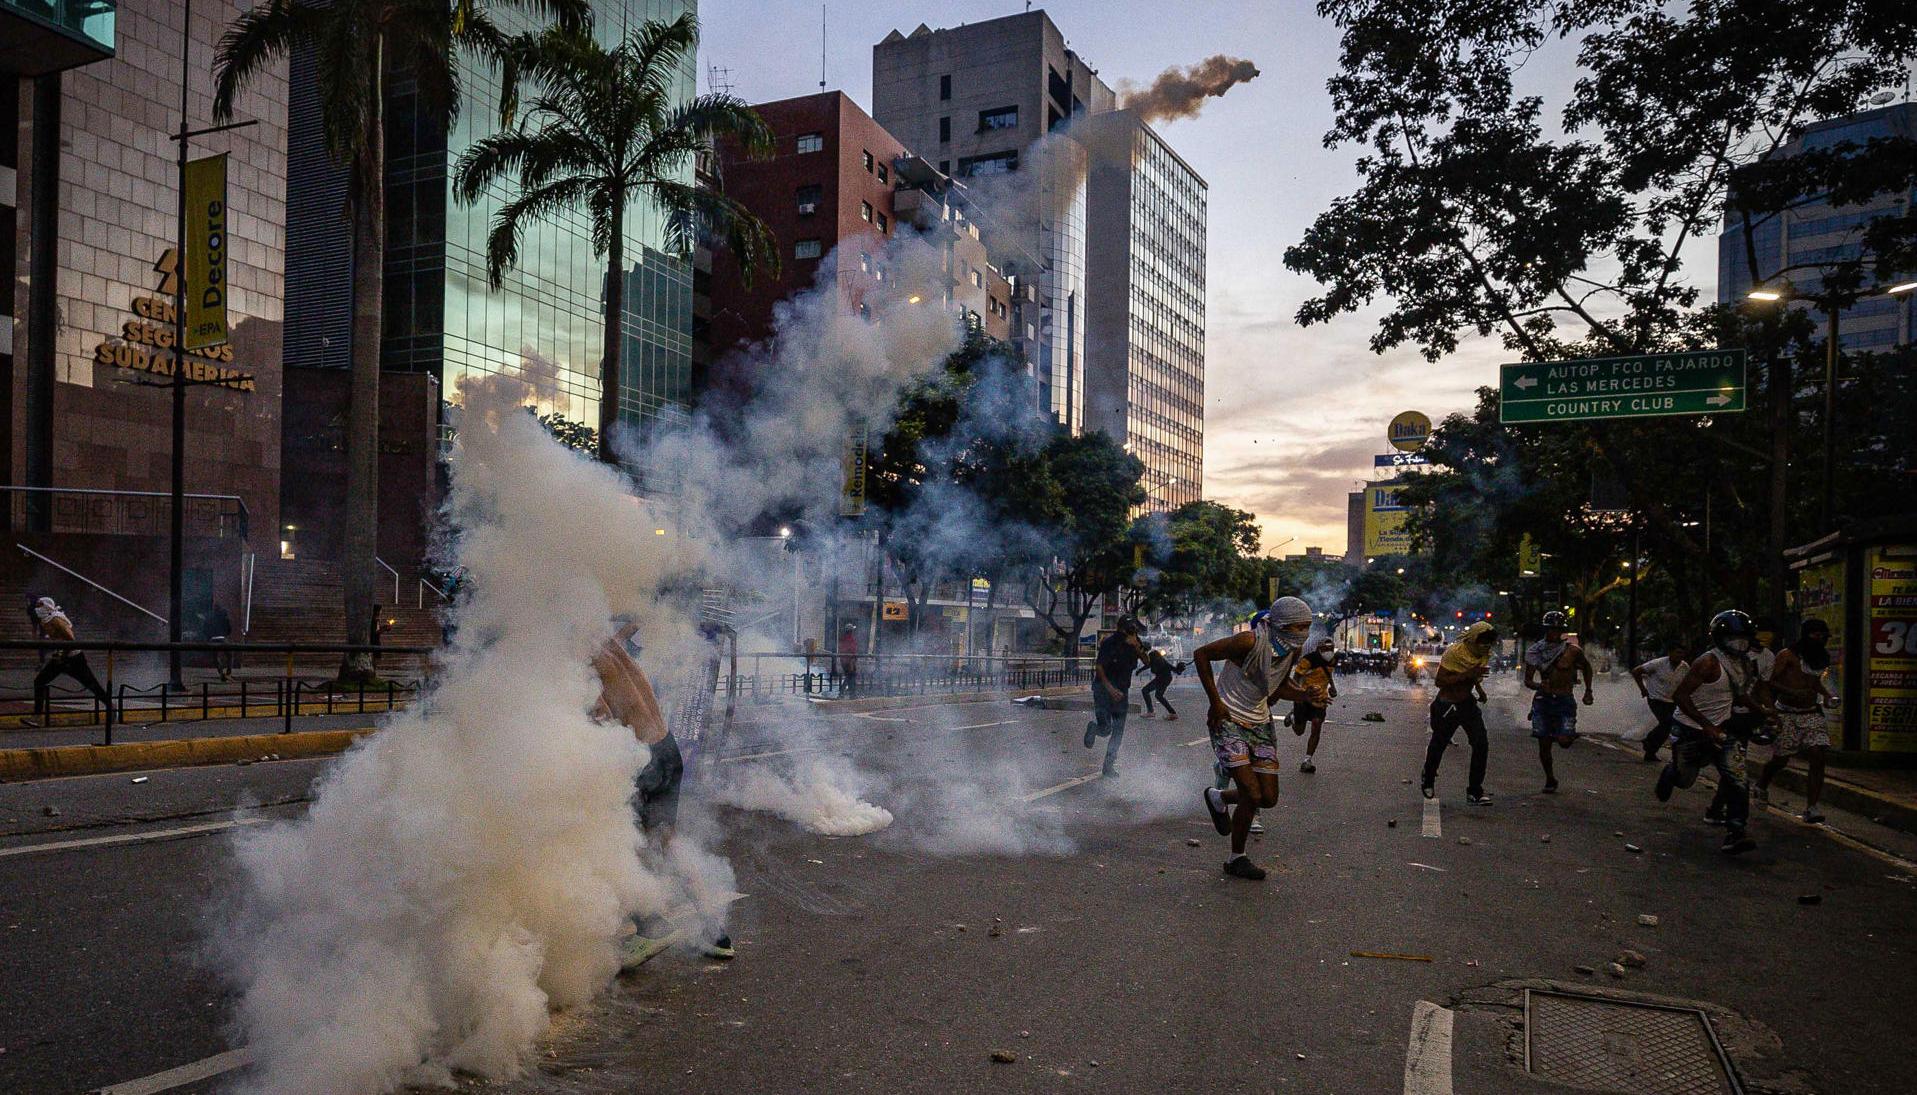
(983, 725)
(1194, 741)
(180, 1077)
(772, 753)
(1433, 818)
(134, 838)
(877, 718)
(1427, 1059)
(1057, 787)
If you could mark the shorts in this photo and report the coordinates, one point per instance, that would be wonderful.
(1303, 712)
(658, 784)
(1800, 730)
(1236, 745)
(1554, 717)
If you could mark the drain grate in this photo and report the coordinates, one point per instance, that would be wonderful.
(1623, 1046)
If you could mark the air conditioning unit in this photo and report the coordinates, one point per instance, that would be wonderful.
(806, 209)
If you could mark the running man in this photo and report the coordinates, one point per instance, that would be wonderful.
(626, 695)
(1656, 680)
(1705, 699)
(1749, 721)
(1258, 666)
(1112, 673)
(1460, 679)
(50, 622)
(1798, 693)
(1162, 671)
(1551, 668)
(1313, 676)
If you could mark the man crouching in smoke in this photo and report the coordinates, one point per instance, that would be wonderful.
(626, 695)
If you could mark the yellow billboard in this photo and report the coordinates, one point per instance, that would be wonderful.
(1385, 516)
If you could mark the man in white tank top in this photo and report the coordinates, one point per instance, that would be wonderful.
(1714, 685)
(1257, 671)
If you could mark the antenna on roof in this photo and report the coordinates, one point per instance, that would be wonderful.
(821, 47)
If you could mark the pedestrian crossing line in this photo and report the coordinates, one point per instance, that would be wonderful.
(134, 838)
(217, 1065)
(1057, 787)
(1433, 818)
(1427, 1058)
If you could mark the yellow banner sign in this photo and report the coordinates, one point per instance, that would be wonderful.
(1530, 562)
(206, 246)
(1385, 516)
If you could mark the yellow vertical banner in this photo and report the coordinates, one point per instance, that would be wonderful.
(1530, 562)
(206, 248)
(852, 474)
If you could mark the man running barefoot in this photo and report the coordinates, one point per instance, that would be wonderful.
(1656, 680)
(1798, 693)
(1313, 676)
(1460, 680)
(1551, 668)
(1705, 699)
(1257, 670)
(1162, 671)
(626, 696)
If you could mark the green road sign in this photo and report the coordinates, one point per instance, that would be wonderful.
(1645, 386)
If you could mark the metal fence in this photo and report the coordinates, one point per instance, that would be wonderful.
(825, 676)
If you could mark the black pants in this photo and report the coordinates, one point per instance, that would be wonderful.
(1446, 717)
(1157, 687)
(1664, 710)
(72, 664)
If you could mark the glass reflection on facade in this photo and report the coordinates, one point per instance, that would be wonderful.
(1061, 342)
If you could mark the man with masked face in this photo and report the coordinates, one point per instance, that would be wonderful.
(1551, 668)
(1798, 692)
(1461, 673)
(1257, 671)
(1706, 698)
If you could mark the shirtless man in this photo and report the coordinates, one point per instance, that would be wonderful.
(1798, 692)
(1257, 670)
(1551, 668)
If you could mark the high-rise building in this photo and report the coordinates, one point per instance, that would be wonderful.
(988, 103)
(1145, 294)
(1813, 231)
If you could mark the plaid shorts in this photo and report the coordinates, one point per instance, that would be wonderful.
(1237, 745)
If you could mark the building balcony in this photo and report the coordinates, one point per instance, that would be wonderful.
(38, 37)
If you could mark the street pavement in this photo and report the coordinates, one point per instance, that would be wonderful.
(1073, 924)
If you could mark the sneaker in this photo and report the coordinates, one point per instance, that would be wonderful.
(1429, 790)
(1666, 783)
(1712, 817)
(1737, 843)
(1110, 771)
(1171, 718)
(1550, 786)
(1146, 715)
(1307, 767)
(1479, 798)
(1811, 817)
(637, 950)
(1650, 756)
(1287, 720)
(719, 948)
(1215, 806)
(1239, 866)
(1091, 733)
(1256, 826)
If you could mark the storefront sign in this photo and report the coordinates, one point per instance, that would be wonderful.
(206, 252)
(1409, 431)
(1820, 596)
(894, 610)
(1890, 668)
(146, 341)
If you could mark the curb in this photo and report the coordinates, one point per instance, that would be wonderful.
(86, 760)
(1885, 811)
(138, 716)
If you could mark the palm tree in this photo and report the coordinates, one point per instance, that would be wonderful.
(603, 129)
(355, 42)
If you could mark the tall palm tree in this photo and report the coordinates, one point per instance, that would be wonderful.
(356, 42)
(601, 129)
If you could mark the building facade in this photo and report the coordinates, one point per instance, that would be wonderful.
(988, 103)
(1145, 291)
(1813, 231)
(89, 193)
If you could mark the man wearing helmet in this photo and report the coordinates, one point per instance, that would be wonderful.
(1257, 671)
(1551, 668)
(1710, 690)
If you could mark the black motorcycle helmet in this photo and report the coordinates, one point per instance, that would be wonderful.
(1556, 621)
(1732, 624)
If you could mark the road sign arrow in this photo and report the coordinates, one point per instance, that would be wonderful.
(1525, 382)
(1718, 400)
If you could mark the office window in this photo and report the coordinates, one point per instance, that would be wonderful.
(806, 249)
(808, 198)
(865, 212)
(882, 173)
(881, 224)
(992, 163)
(1005, 117)
(811, 142)
(945, 87)
(867, 159)
(945, 130)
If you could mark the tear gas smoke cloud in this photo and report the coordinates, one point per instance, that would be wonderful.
(1181, 93)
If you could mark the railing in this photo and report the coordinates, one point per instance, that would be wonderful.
(25, 550)
(123, 512)
(772, 676)
(388, 567)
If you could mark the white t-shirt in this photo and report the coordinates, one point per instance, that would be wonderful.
(1660, 677)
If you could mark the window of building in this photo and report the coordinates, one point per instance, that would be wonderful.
(992, 163)
(868, 162)
(806, 249)
(811, 142)
(865, 262)
(865, 212)
(945, 87)
(882, 173)
(978, 280)
(945, 130)
(881, 224)
(808, 198)
(1004, 117)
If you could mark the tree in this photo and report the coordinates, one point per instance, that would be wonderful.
(1094, 549)
(603, 128)
(1196, 555)
(356, 42)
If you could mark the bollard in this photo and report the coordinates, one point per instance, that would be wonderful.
(289, 696)
(242, 697)
(205, 706)
(109, 704)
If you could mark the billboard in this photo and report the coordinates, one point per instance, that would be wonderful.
(1820, 596)
(1385, 516)
(206, 252)
(1890, 638)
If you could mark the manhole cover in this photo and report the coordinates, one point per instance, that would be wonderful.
(1623, 1046)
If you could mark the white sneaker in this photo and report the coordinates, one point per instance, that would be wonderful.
(1257, 826)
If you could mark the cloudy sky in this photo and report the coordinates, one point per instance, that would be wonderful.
(1293, 415)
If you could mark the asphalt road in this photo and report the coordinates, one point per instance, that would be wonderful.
(1080, 931)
